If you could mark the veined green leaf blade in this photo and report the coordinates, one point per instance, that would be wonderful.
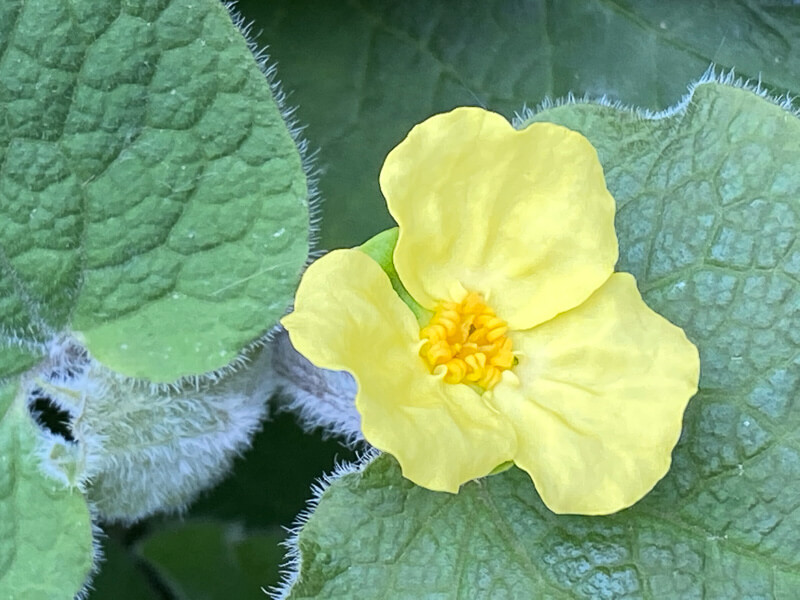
(154, 202)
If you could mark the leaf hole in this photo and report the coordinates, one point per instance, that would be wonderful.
(50, 417)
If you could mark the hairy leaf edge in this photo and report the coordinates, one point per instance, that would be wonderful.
(55, 346)
(293, 562)
(729, 78)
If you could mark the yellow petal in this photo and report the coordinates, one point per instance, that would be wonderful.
(348, 317)
(523, 217)
(601, 398)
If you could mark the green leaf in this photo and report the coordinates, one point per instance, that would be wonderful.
(363, 72)
(152, 199)
(120, 578)
(708, 219)
(214, 561)
(153, 212)
(45, 529)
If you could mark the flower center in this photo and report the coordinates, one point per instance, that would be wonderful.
(469, 341)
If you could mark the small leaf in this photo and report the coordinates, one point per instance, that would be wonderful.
(119, 577)
(45, 529)
(708, 199)
(214, 561)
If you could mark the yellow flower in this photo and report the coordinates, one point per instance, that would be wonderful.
(534, 350)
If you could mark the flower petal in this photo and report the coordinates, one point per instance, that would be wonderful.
(524, 217)
(601, 398)
(348, 317)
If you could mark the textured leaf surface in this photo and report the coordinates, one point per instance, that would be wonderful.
(708, 215)
(152, 205)
(151, 197)
(362, 72)
(45, 529)
(213, 560)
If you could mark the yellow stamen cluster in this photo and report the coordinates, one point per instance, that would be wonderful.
(469, 340)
